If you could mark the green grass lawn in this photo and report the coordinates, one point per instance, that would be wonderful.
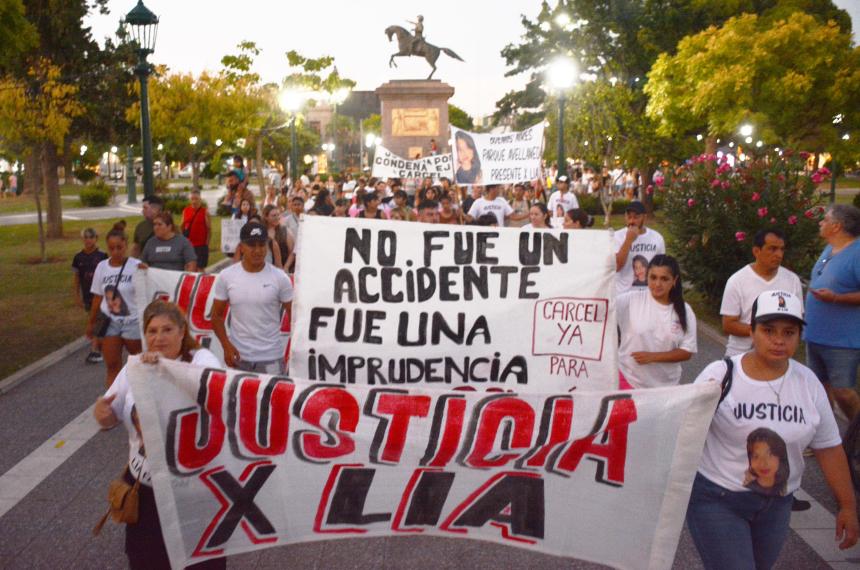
(39, 312)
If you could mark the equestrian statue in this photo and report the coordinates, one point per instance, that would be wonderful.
(409, 45)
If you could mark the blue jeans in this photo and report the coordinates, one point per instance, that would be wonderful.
(736, 530)
(833, 365)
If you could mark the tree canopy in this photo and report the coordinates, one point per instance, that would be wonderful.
(789, 78)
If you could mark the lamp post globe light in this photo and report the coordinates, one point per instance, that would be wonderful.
(561, 75)
(142, 25)
(291, 101)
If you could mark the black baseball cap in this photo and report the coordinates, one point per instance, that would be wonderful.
(253, 232)
(636, 207)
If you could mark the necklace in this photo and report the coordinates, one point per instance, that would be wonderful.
(779, 393)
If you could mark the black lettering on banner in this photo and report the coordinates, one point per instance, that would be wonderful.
(237, 505)
(350, 494)
(430, 247)
(484, 245)
(511, 501)
(423, 500)
(359, 244)
(543, 244)
(344, 284)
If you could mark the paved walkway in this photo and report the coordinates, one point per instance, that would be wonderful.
(118, 210)
(55, 466)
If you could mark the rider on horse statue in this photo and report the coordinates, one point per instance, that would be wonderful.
(419, 34)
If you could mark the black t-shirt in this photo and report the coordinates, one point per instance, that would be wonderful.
(85, 264)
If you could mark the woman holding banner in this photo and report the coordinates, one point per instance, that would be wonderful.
(771, 410)
(468, 161)
(658, 329)
(167, 336)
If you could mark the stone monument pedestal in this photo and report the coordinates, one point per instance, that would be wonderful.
(414, 111)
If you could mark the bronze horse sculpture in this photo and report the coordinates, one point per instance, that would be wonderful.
(404, 43)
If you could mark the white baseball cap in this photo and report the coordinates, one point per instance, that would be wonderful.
(772, 305)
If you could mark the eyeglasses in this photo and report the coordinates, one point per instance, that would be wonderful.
(823, 263)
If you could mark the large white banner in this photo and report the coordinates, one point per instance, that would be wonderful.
(193, 292)
(380, 302)
(242, 462)
(497, 159)
(386, 164)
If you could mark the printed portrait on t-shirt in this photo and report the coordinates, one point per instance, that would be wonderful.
(115, 302)
(640, 271)
(768, 469)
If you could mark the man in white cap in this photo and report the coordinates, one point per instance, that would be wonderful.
(257, 292)
(562, 200)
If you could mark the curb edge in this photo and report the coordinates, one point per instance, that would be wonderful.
(10, 382)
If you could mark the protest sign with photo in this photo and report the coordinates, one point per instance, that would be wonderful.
(386, 164)
(497, 158)
(193, 292)
(380, 302)
(230, 229)
(242, 462)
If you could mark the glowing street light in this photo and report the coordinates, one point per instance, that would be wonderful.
(83, 149)
(218, 142)
(699, 137)
(758, 144)
(846, 137)
(291, 101)
(562, 76)
(562, 20)
(748, 140)
(192, 140)
(746, 130)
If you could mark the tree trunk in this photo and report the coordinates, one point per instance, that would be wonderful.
(710, 145)
(40, 173)
(259, 165)
(646, 174)
(32, 171)
(195, 174)
(68, 163)
(51, 185)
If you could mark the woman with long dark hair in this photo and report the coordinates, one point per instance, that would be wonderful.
(323, 204)
(113, 312)
(658, 329)
(468, 161)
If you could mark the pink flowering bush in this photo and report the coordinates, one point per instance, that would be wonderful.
(713, 211)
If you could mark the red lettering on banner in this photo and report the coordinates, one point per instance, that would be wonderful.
(315, 403)
(197, 314)
(264, 429)
(195, 435)
(391, 434)
(489, 415)
(556, 422)
(184, 290)
(610, 452)
(448, 420)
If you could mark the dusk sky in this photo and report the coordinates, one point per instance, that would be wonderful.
(193, 35)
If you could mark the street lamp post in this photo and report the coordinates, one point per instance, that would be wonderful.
(336, 98)
(291, 101)
(562, 74)
(142, 25)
